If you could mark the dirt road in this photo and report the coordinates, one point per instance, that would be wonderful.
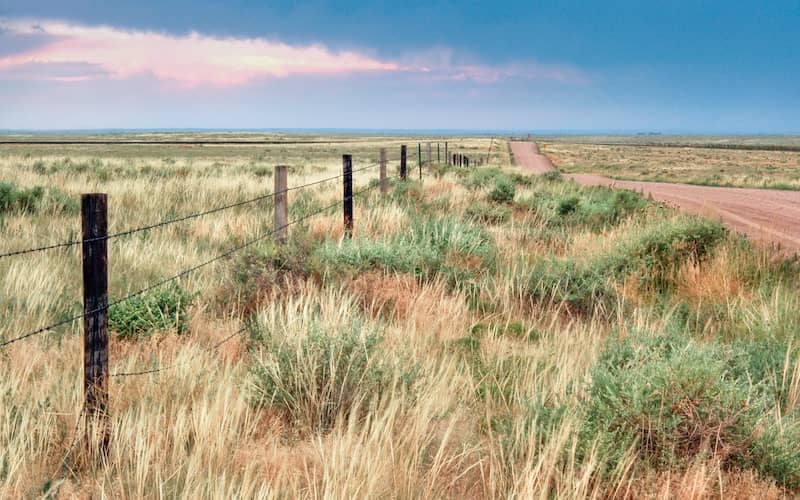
(764, 215)
(526, 155)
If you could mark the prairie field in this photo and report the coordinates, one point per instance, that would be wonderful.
(732, 163)
(483, 334)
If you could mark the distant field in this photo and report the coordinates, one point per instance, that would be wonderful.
(786, 142)
(692, 163)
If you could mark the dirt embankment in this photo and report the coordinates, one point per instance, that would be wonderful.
(764, 215)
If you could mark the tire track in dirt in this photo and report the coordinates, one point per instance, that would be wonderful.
(766, 216)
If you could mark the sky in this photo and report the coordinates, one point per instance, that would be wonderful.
(680, 66)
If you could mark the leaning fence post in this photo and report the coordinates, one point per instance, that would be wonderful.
(384, 180)
(430, 161)
(94, 222)
(403, 170)
(347, 176)
(281, 204)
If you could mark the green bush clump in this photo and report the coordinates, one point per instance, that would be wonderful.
(35, 199)
(595, 208)
(675, 399)
(651, 256)
(504, 190)
(442, 246)
(489, 214)
(14, 199)
(159, 310)
(324, 375)
(481, 178)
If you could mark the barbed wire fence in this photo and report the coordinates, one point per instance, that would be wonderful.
(94, 242)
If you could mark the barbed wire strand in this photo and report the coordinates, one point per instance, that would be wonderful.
(175, 277)
(167, 222)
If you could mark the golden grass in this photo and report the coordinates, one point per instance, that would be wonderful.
(191, 430)
(717, 167)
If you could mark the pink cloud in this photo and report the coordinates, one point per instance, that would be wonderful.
(197, 59)
(191, 59)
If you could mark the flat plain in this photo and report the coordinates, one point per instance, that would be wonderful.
(486, 333)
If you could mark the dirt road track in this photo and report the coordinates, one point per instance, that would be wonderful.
(763, 215)
(526, 155)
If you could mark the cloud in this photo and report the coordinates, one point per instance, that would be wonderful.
(443, 63)
(67, 51)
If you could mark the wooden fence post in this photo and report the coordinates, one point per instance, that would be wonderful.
(281, 204)
(403, 169)
(438, 154)
(347, 171)
(430, 160)
(454, 159)
(446, 156)
(94, 222)
(419, 159)
(384, 179)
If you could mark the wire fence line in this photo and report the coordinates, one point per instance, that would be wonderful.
(184, 218)
(94, 220)
(181, 274)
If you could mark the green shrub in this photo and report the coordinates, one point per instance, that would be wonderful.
(159, 310)
(676, 399)
(489, 214)
(322, 376)
(443, 246)
(35, 199)
(651, 256)
(595, 208)
(481, 178)
(504, 190)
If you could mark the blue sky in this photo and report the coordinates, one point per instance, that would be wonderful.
(679, 66)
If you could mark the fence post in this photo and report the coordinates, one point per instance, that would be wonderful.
(438, 154)
(430, 160)
(403, 170)
(446, 156)
(384, 180)
(94, 222)
(419, 159)
(281, 204)
(454, 159)
(347, 176)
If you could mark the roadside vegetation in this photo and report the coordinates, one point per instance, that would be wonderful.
(484, 334)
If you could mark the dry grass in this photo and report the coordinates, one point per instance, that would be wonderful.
(715, 167)
(192, 431)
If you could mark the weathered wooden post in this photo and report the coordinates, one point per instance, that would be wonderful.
(430, 160)
(94, 222)
(454, 159)
(281, 204)
(384, 179)
(446, 156)
(403, 169)
(419, 159)
(439, 154)
(347, 176)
